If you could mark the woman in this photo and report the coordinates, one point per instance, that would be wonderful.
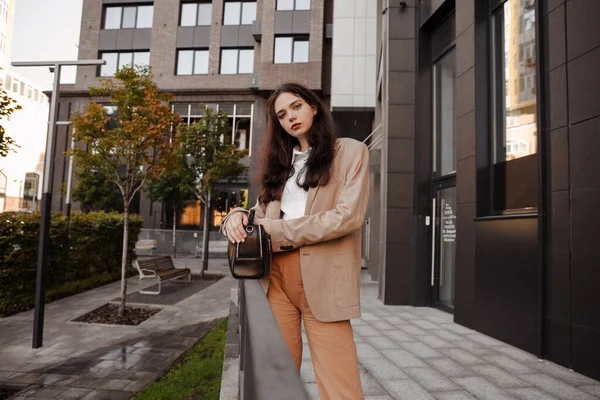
(315, 190)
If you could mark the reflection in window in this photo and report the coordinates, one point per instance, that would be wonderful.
(241, 133)
(30, 191)
(239, 13)
(514, 144)
(290, 50)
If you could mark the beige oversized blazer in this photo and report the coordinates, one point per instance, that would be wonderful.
(328, 235)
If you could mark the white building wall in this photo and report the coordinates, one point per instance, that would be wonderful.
(27, 127)
(6, 21)
(354, 53)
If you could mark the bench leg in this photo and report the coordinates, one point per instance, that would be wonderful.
(150, 291)
(189, 278)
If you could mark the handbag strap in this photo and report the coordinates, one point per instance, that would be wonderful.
(251, 217)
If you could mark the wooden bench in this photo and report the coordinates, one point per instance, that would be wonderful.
(160, 268)
(146, 244)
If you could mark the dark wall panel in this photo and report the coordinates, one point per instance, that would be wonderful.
(586, 350)
(398, 286)
(506, 281)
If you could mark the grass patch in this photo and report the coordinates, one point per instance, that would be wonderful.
(198, 375)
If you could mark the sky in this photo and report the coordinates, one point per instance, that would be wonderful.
(46, 30)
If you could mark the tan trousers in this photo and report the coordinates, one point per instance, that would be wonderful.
(331, 344)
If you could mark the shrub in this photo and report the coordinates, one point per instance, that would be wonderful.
(81, 255)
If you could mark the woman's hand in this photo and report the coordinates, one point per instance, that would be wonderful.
(235, 227)
(265, 222)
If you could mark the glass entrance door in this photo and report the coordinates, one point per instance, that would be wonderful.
(444, 181)
(444, 242)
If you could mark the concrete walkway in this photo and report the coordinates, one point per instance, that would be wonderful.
(404, 352)
(413, 353)
(97, 361)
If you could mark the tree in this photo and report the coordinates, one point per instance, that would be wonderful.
(96, 191)
(212, 158)
(173, 186)
(7, 106)
(135, 147)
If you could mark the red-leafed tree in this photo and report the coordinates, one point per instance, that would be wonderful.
(133, 145)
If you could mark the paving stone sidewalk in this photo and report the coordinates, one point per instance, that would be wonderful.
(418, 353)
(97, 361)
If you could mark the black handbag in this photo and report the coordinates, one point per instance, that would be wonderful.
(251, 259)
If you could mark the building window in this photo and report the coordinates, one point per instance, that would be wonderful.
(128, 17)
(239, 116)
(514, 108)
(15, 85)
(239, 12)
(237, 61)
(291, 50)
(115, 61)
(192, 62)
(30, 191)
(289, 5)
(195, 14)
(3, 181)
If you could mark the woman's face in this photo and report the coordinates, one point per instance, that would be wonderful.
(295, 115)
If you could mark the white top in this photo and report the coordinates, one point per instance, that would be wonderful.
(293, 199)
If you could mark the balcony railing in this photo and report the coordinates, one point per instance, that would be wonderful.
(267, 371)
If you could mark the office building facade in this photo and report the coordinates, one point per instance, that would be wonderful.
(486, 179)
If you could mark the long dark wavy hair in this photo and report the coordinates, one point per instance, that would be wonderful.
(278, 148)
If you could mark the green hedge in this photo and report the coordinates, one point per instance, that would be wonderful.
(82, 254)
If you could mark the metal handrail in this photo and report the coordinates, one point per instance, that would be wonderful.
(371, 134)
(267, 371)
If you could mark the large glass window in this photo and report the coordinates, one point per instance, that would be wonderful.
(128, 17)
(115, 61)
(196, 14)
(3, 181)
(291, 50)
(239, 13)
(239, 117)
(30, 191)
(444, 121)
(145, 14)
(237, 61)
(288, 5)
(192, 62)
(514, 107)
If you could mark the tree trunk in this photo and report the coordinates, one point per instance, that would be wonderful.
(124, 260)
(174, 228)
(205, 235)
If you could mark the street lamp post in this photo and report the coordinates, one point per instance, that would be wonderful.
(46, 206)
